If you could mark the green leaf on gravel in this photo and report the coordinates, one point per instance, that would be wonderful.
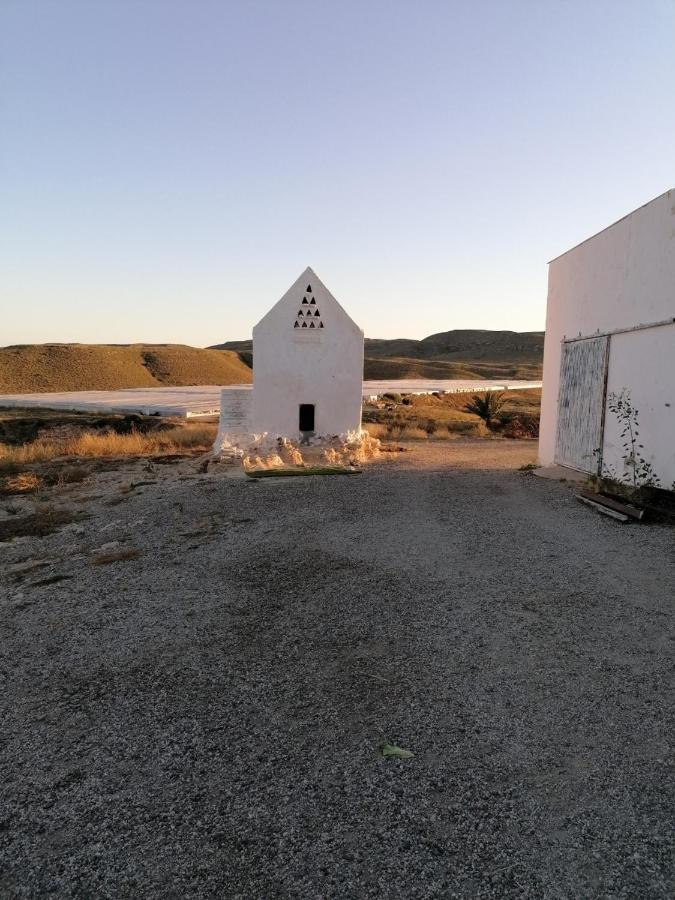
(391, 750)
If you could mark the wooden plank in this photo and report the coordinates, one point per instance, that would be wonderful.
(309, 470)
(605, 510)
(626, 508)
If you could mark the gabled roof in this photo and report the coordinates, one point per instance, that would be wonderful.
(298, 287)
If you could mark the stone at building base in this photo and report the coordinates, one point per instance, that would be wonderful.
(264, 451)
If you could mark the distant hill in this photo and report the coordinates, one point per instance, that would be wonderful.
(448, 354)
(99, 367)
(466, 346)
(78, 367)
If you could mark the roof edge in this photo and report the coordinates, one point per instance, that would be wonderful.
(607, 227)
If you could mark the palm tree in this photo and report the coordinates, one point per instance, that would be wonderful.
(487, 407)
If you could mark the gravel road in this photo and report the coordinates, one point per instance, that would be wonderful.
(205, 720)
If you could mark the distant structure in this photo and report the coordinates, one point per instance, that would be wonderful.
(307, 371)
(307, 365)
(610, 327)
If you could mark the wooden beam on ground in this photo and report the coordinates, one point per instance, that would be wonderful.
(626, 508)
(605, 510)
(308, 470)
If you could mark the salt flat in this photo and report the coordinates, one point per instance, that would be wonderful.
(204, 400)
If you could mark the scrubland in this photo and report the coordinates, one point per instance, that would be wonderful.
(445, 417)
(39, 449)
(35, 444)
(110, 444)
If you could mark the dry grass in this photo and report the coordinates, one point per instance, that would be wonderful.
(30, 482)
(108, 443)
(126, 553)
(22, 483)
(71, 475)
(44, 520)
(414, 433)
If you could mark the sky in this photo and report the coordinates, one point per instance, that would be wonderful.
(169, 167)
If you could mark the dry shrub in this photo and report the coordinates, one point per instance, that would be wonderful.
(13, 457)
(126, 553)
(110, 443)
(468, 428)
(72, 475)
(44, 520)
(194, 437)
(413, 434)
(376, 430)
(23, 483)
(522, 427)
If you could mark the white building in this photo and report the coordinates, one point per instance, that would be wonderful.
(610, 327)
(307, 371)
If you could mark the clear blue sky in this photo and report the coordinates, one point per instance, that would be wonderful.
(168, 167)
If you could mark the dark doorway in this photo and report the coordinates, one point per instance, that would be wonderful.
(306, 417)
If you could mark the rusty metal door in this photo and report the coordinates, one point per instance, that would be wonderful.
(581, 403)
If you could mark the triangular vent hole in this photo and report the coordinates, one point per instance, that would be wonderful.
(309, 288)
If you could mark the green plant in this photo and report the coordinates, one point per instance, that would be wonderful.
(391, 751)
(487, 407)
(640, 473)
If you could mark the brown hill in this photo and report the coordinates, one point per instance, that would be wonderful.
(448, 354)
(72, 367)
(78, 367)
(378, 368)
(511, 347)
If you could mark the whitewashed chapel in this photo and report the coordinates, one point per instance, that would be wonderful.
(307, 370)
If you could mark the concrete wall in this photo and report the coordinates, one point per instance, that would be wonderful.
(622, 277)
(322, 366)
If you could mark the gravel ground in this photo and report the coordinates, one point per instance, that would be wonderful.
(205, 720)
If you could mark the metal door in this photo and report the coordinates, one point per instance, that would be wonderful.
(581, 403)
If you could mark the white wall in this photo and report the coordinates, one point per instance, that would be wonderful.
(639, 360)
(622, 277)
(293, 366)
